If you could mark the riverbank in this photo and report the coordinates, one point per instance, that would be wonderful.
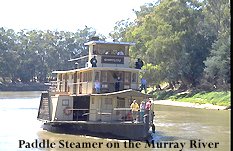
(195, 98)
(24, 87)
(193, 105)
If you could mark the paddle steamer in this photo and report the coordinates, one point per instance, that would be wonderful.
(74, 106)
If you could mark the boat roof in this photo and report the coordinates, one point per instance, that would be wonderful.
(98, 68)
(109, 42)
(79, 58)
(122, 93)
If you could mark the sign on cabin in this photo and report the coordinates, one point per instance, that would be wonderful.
(112, 59)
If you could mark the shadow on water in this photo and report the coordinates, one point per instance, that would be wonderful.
(161, 136)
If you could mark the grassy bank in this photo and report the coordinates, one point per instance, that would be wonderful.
(215, 98)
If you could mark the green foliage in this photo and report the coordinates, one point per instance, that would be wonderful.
(9, 57)
(180, 41)
(183, 38)
(163, 95)
(30, 55)
(167, 37)
(218, 63)
(215, 98)
(152, 72)
(120, 30)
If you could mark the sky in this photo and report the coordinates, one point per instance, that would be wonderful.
(67, 15)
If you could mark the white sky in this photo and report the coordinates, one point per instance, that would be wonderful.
(68, 15)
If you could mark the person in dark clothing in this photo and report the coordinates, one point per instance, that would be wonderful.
(158, 87)
(139, 64)
(93, 61)
(117, 84)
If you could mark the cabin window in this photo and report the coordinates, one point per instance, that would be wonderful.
(104, 77)
(84, 77)
(95, 50)
(97, 76)
(108, 101)
(120, 103)
(89, 76)
(126, 50)
(65, 102)
(60, 77)
(134, 77)
(111, 49)
(127, 77)
(126, 86)
(60, 81)
(104, 86)
(75, 77)
(102, 51)
(65, 76)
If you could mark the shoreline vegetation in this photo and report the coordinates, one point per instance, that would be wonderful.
(192, 105)
(220, 100)
(31, 86)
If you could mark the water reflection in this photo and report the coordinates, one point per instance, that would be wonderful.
(18, 112)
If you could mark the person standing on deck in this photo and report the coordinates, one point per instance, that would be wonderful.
(142, 110)
(134, 108)
(143, 84)
(120, 53)
(117, 84)
(148, 105)
(148, 109)
(97, 86)
(93, 61)
(139, 64)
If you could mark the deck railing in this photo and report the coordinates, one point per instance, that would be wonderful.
(124, 115)
(87, 87)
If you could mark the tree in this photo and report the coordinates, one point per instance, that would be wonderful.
(33, 54)
(169, 36)
(218, 63)
(9, 58)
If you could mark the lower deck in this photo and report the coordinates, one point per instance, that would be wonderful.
(107, 115)
(108, 107)
(100, 122)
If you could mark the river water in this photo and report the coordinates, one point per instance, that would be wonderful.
(196, 129)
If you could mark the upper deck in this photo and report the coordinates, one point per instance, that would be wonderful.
(111, 62)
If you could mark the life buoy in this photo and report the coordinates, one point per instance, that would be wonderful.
(67, 111)
(129, 116)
